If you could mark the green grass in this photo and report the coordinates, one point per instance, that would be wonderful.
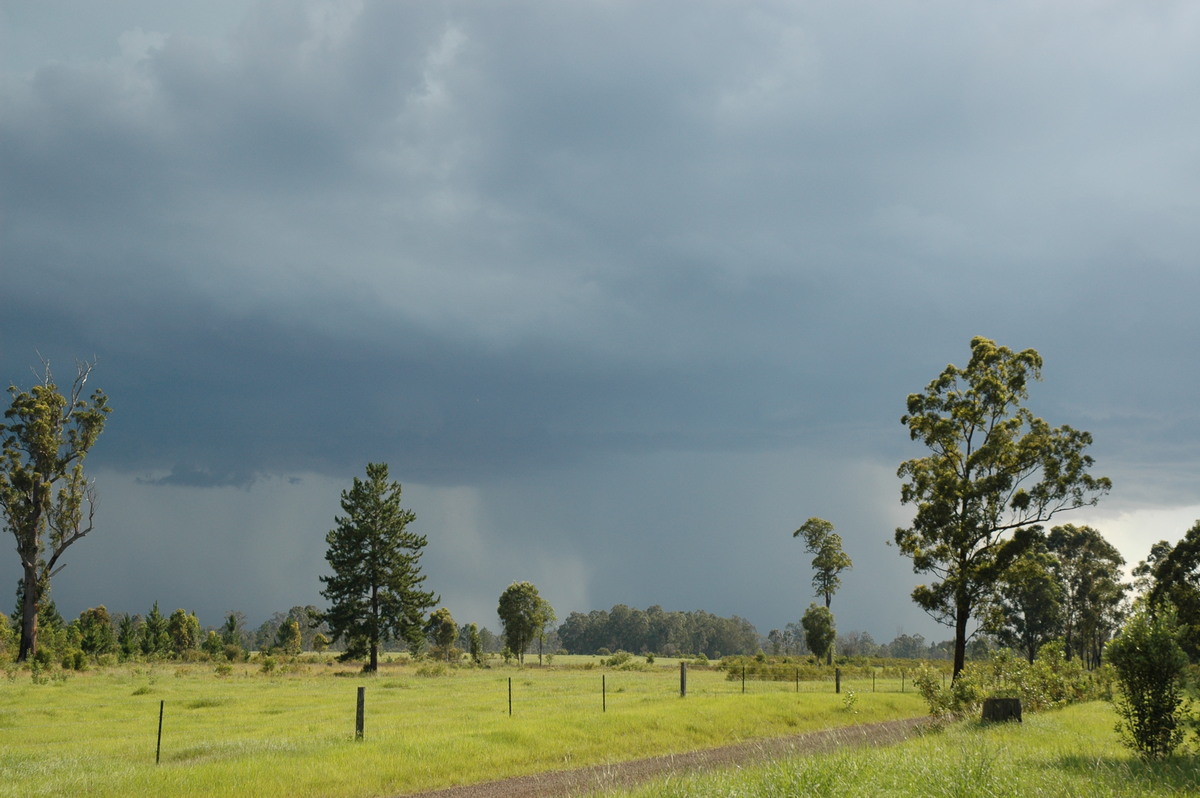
(291, 732)
(1071, 752)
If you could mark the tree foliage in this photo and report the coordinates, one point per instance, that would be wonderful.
(658, 631)
(97, 634)
(183, 629)
(46, 501)
(442, 632)
(1175, 574)
(524, 614)
(1026, 611)
(288, 638)
(829, 558)
(1091, 571)
(156, 640)
(819, 630)
(1149, 664)
(994, 473)
(374, 590)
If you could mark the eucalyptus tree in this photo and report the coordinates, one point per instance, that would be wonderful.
(994, 474)
(828, 562)
(375, 590)
(1091, 572)
(1175, 582)
(829, 558)
(524, 615)
(1027, 609)
(442, 630)
(46, 501)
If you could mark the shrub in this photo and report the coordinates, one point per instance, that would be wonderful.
(433, 669)
(1051, 681)
(1149, 664)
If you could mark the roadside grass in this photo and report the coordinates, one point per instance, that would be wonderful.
(290, 732)
(1068, 752)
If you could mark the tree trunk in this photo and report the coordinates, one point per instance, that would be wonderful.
(29, 614)
(961, 616)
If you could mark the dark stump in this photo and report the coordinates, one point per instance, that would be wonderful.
(1001, 709)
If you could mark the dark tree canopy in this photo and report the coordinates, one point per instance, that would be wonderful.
(1027, 609)
(524, 614)
(46, 501)
(819, 630)
(994, 473)
(374, 590)
(1175, 572)
(1090, 570)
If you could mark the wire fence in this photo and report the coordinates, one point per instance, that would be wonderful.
(200, 716)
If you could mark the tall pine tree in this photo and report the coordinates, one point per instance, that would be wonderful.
(374, 591)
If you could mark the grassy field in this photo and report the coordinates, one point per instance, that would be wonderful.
(290, 732)
(1059, 754)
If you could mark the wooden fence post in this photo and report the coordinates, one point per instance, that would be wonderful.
(683, 680)
(837, 680)
(360, 713)
(158, 748)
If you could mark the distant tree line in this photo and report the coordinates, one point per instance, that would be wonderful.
(655, 630)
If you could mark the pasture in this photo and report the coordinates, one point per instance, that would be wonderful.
(291, 731)
(1058, 754)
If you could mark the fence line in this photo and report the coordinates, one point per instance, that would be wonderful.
(324, 710)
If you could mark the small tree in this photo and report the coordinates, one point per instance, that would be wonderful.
(1149, 663)
(524, 614)
(156, 641)
(288, 639)
(819, 630)
(46, 501)
(374, 590)
(96, 633)
(233, 630)
(213, 646)
(443, 631)
(474, 644)
(129, 635)
(183, 630)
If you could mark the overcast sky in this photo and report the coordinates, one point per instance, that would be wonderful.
(622, 291)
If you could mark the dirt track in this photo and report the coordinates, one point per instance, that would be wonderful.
(626, 774)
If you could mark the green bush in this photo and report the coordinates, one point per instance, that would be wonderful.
(1149, 665)
(1049, 682)
(618, 659)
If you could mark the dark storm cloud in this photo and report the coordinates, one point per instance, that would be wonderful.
(548, 255)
